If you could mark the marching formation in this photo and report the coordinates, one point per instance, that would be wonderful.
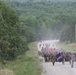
(51, 54)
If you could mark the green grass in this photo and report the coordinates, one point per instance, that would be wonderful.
(27, 64)
(65, 47)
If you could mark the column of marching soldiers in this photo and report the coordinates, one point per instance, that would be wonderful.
(52, 54)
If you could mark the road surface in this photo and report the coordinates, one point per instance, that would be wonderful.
(58, 68)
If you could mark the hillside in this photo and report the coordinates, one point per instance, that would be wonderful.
(48, 20)
(41, 0)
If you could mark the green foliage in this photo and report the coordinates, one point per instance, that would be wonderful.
(38, 20)
(28, 64)
(45, 20)
(11, 42)
(68, 33)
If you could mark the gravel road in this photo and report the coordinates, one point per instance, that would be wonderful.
(58, 68)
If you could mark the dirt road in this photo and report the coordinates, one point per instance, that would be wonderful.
(58, 69)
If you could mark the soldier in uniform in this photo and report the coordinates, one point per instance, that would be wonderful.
(53, 59)
(72, 57)
(63, 56)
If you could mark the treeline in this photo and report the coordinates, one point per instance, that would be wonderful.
(42, 0)
(48, 20)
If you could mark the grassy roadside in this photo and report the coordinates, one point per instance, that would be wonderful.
(28, 64)
(67, 47)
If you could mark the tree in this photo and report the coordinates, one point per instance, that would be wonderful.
(11, 41)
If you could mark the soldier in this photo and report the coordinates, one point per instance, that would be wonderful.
(53, 59)
(63, 56)
(72, 57)
(40, 45)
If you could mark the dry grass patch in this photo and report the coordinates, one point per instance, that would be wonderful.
(6, 72)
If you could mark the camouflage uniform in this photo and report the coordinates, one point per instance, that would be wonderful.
(53, 59)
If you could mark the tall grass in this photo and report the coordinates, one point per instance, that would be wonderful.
(27, 64)
(65, 47)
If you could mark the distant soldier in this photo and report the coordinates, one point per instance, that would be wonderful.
(72, 58)
(53, 59)
(54, 49)
(63, 56)
(39, 45)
